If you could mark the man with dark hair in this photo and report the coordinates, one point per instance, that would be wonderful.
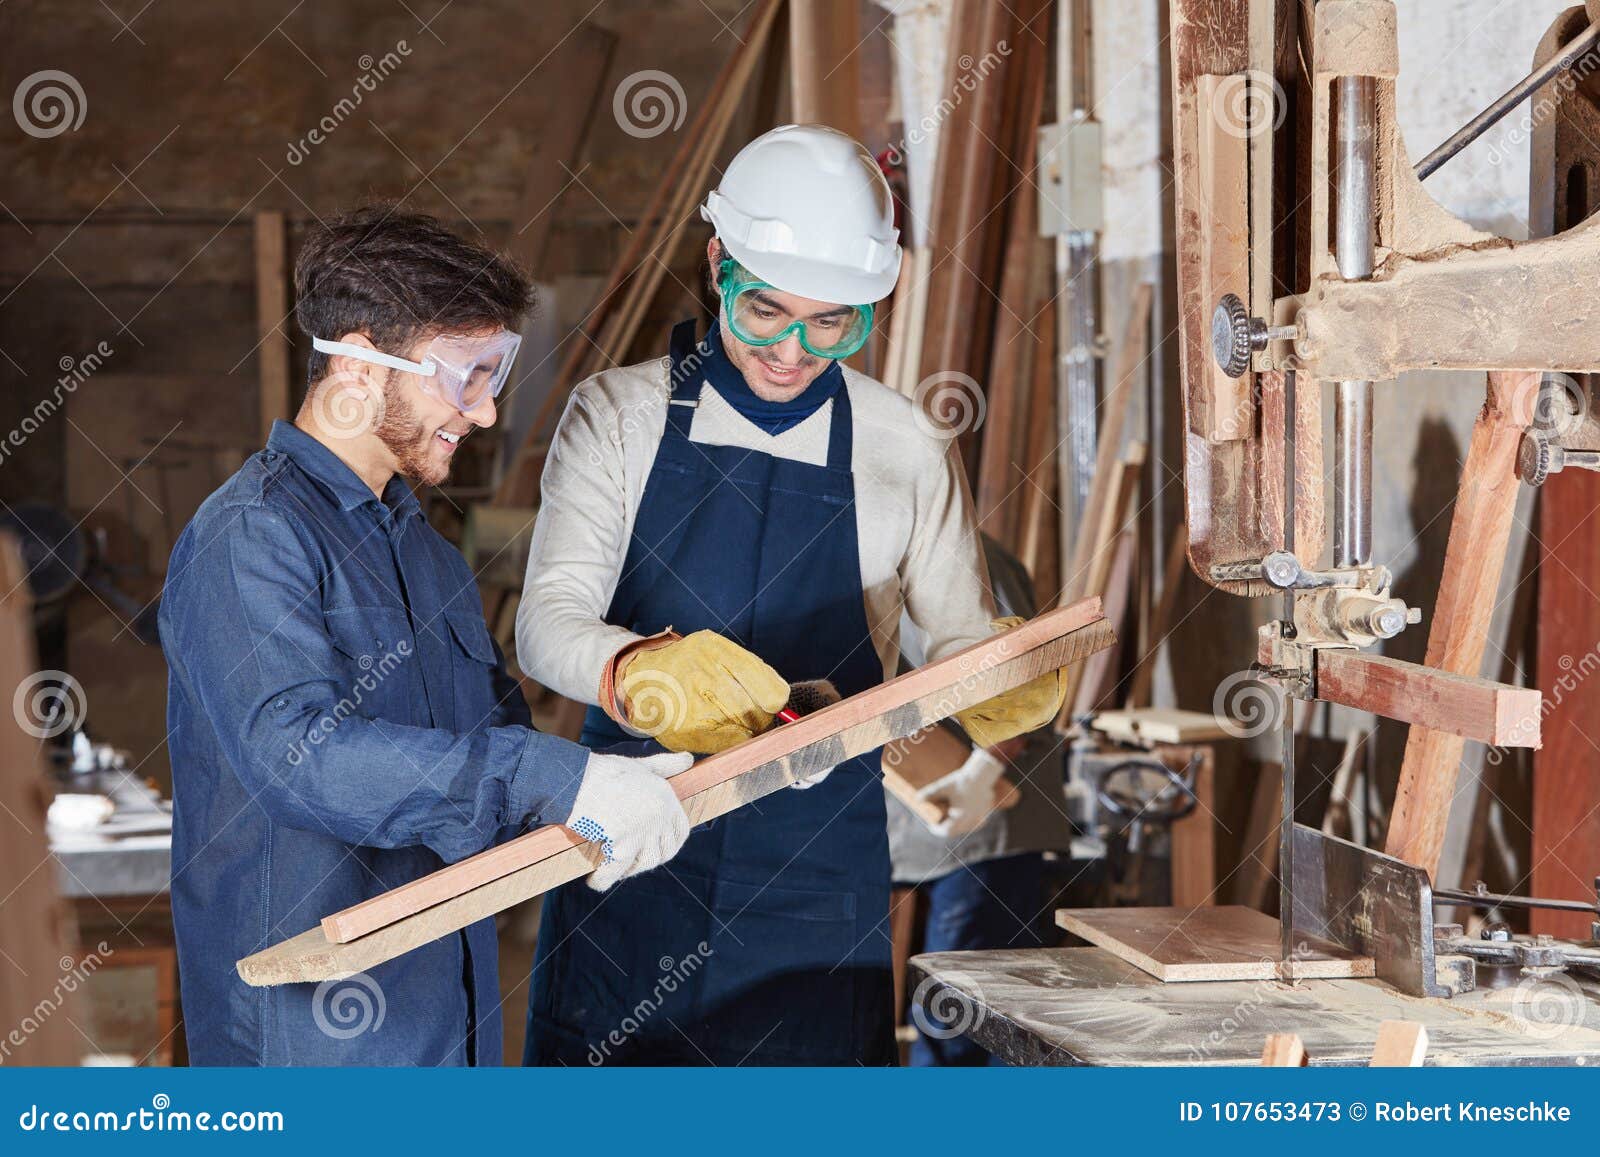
(340, 719)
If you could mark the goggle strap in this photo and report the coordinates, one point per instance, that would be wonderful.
(361, 353)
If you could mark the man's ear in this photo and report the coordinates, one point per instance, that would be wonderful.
(715, 255)
(349, 370)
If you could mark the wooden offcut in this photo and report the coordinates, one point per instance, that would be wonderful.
(1283, 1050)
(1458, 633)
(1227, 943)
(1463, 705)
(1401, 1045)
(1161, 725)
(417, 913)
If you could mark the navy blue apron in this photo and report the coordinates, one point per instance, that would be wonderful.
(765, 940)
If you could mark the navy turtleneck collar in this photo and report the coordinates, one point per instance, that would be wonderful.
(773, 417)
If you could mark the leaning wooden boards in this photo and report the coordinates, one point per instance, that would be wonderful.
(408, 917)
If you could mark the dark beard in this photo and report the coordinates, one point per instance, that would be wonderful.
(403, 433)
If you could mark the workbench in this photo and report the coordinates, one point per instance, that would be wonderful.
(1084, 1006)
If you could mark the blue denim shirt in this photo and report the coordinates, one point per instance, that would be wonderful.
(340, 722)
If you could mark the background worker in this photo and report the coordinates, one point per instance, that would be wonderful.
(717, 524)
(981, 873)
(341, 721)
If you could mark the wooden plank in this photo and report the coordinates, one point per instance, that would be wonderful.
(1179, 945)
(1283, 1050)
(575, 77)
(912, 763)
(1108, 451)
(969, 142)
(454, 897)
(272, 312)
(1161, 621)
(1223, 409)
(1401, 1045)
(1480, 536)
(1194, 838)
(1258, 859)
(1161, 725)
(1097, 683)
(1037, 539)
(824, 68)
(1463, 705)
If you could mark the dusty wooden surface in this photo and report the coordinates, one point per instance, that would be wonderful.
(1083, 1006)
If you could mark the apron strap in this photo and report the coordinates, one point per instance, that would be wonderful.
(841, 433)
(683, 378)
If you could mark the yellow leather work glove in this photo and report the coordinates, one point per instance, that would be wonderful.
(1017, 712)
(702, 693)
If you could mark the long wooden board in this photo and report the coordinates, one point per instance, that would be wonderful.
(1480, 536)
(1493, 713)
(410, 916)
(1227, 943)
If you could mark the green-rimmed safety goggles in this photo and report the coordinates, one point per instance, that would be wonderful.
(756, 318)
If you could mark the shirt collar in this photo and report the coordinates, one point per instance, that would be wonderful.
(331, 472)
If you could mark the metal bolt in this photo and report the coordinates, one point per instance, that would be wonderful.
(1388, 622)
(1281, 569)
(1497, 932)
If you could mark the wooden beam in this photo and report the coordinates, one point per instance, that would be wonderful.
(272, 309)
(1463, 705)
(416, 913)
(1480, 536)
(1401, 1045)
(824, 69)
(1194, 838)
(1177, 566)
(575, 77)
(1223, 409)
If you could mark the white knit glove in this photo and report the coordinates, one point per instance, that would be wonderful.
(967, 794)
(625, 805)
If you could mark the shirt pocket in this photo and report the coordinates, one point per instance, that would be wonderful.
(474, 662)
(377, 648)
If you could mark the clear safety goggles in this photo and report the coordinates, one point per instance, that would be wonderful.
(459, 370)
(756, 318)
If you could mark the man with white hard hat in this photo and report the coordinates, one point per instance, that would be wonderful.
(712, 526)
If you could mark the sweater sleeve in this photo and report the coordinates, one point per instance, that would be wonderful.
(580, 540)
(943, 576)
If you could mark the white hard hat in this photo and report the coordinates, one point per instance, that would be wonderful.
(806, 209)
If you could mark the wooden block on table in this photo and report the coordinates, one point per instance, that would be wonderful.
(1401, 1045)
(1283, 1050)
(1227, 943)
(1160, 725)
